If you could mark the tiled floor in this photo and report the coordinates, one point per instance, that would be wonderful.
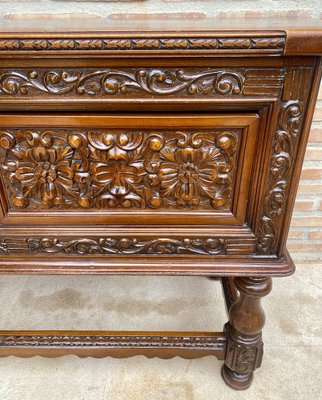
(293, 337)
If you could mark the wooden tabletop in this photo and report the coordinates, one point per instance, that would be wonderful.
(299, 36)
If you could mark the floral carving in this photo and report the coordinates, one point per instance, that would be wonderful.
(47, 171)
(39, 170)
(118, 169)
(188, 171)
(162, 82)
(108, 169)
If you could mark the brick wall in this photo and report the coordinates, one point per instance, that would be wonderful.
(305, 239)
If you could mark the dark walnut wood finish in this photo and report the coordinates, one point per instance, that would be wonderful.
(175, 151)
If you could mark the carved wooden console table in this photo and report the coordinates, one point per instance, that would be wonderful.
(175, 151)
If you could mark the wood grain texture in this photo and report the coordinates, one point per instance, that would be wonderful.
(229, 291)
(140, 82)
(112, 343)
(116, 245)
(167, 151)
(46, 168)
(170, 265)
(208, 35)
(244, 350)
(222, 44)
(201, 168)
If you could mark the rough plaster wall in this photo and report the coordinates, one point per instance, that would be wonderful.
(208, 7)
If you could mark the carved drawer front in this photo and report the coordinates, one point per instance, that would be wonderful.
(133, 169)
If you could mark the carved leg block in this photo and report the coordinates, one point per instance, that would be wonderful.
(244, 350)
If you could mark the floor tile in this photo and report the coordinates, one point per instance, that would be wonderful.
(293, 348)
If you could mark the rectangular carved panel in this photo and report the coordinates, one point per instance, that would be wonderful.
(106, 241)
(166, 164)
(68, 168)
(104, 83)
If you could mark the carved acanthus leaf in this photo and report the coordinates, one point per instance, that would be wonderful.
(109, 82)
(127, 245)
(115, 245)
(140, 82)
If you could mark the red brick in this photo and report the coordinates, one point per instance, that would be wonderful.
(296, 234)
(315, 235)
(162, 16)
(290, 13)
(308, 257)
(304, 205)
(185, 1)
(313, 154)
(315, 135)
(304, 246)
(51, 16)
(311, 173)
(320, 93)
(223, 15)
(20, 1)
(297, 14)
(253, 14)
(109, 1)
(310, 189)
(318, 113)
(306, 221)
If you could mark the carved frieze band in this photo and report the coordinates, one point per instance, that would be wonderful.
(267, 44)
(142, 82)
(104, 169)
(126, 245)
(114, 341)
(284, 147)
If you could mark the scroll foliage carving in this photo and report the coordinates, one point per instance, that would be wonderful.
(283, 155)
(52, 168)
(161, 82)
(128, 245)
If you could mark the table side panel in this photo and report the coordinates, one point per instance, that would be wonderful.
(280, 90)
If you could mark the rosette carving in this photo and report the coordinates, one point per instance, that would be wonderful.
(52, 168)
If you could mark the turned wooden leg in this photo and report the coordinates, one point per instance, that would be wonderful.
(244, 349)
